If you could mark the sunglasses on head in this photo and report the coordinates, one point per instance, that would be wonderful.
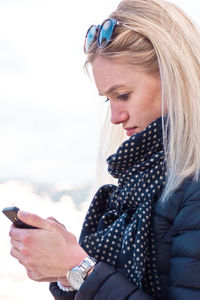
(102, 33)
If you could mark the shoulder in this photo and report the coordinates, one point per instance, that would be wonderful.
(183, 207)
(191, 189)
(186, 195)
(188, 216)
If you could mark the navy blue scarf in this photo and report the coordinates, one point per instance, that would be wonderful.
(118, 227)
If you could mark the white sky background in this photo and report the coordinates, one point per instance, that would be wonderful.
(49, 114)
(49, 108)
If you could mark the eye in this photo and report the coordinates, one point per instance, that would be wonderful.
(123, 97)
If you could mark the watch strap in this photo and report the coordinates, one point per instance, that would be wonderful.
(86, 265)
(77, 275)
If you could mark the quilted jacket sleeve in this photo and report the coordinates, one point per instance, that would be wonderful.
(103, 283)
(107, 283)
(184, 268)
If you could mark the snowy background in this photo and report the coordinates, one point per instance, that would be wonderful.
(49, 119)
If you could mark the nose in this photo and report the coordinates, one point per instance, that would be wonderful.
(118, 113)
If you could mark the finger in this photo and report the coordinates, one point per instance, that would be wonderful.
(18, 255)
(12, 230)
(34, 276)
(33, 220)
(54, 220)
(12, 226)
(48, 279)
(16, 244)
(17, 234)
(40, 278)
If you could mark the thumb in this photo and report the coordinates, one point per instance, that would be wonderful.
(33, 220)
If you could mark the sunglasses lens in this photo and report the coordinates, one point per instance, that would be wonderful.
(90, 37)
(105, 32)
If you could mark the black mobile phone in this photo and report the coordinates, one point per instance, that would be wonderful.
(11, 213)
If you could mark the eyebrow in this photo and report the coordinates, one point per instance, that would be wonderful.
(112, 89)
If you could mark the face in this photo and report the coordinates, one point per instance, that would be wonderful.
(135, 96)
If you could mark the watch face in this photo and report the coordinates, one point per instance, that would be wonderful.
(75, 279)
(77, 275)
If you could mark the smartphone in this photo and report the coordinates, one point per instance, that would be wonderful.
(11, 213)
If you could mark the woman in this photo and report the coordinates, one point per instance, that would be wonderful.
(141, 235)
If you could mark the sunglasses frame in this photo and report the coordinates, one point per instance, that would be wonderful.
(97, 34)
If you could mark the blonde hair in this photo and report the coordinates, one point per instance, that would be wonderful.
(157, 36)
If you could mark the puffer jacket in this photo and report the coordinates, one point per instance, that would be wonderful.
(177, 230)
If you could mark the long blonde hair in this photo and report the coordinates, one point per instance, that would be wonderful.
(157, 36)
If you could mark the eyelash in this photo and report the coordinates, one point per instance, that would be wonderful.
(122, 97)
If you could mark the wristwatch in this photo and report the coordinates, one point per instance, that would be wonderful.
(76, 276)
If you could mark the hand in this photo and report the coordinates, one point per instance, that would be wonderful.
(47, 252)
(40, 278)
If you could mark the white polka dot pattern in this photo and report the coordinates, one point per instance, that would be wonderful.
(118, 226)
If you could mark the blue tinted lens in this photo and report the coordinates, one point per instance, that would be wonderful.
(90, 36)
(105, 32)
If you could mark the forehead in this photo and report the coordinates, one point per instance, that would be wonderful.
(108, 72)
(112, 72)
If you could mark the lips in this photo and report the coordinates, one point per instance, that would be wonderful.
(131, 130)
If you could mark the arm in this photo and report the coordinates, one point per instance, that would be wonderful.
(38, 251)
(104, 282)
(107, 283)
(184, 276)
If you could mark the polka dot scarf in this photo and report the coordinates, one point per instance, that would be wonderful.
(118, 226)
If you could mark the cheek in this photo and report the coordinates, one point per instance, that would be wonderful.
(145, 108)
(152, 102)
